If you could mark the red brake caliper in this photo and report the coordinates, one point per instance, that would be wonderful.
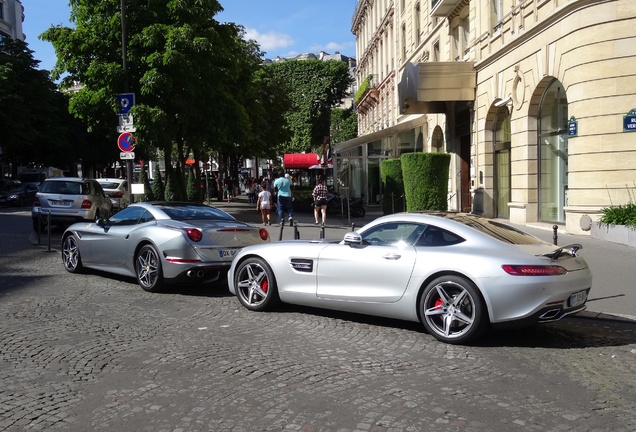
(438, 303)
(265, 286)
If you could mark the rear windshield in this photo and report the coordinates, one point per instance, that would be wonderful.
(64, 188)
(194, 212)
(496, 229)
(111, 185)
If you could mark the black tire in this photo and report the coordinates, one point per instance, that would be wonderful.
(452, 310)
(148, 269)
(255, 285)
(71, 256)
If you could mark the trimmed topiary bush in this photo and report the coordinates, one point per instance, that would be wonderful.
(157, 185)
(425, 180)
(391, 174)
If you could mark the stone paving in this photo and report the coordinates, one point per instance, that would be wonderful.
(94, 352)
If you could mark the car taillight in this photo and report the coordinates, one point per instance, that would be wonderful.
(86, 204)
(116, 194)
(36, 202)
(534, 270)
(194, 234)
(263, 233)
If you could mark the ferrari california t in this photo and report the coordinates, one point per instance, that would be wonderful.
(455, 273)
(160, 243)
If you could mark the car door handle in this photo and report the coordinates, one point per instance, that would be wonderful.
(392, 256)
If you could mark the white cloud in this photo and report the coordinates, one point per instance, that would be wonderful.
(269, 41)
(332, 47)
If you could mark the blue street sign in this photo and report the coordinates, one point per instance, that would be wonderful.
(573, 127)
(629, 121)
(125, 101)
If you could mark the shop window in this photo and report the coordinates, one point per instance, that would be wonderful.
(553, 153)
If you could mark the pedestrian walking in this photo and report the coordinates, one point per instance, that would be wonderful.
(282, 186)
(320, 200)
(263, 204)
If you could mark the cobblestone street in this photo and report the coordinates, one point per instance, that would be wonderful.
(95, 352)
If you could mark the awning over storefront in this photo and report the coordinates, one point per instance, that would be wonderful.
(300, 160)
(424, 88)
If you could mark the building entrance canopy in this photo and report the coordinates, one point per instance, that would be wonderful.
(425, 87)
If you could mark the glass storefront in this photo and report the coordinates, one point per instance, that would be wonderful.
(501, 149)
(553, 154)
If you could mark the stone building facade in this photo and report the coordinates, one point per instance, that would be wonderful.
(534, 99)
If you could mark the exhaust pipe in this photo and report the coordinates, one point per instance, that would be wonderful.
(551, 314)
(195, 273)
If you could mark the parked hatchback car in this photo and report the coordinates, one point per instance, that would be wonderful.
(17, 194)
(117, 191)
(68, 200)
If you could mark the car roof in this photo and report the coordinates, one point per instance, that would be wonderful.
(108, 179)
(77, 179)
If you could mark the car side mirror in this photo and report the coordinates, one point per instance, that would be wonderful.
(101, 223)
(352, 238)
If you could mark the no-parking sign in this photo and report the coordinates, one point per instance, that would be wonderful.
(126, 142)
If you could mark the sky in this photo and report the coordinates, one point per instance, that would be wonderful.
(282, 28)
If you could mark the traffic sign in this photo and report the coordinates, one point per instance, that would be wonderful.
(126, 142)
(126, 155)
(126, 123)
(125, 101)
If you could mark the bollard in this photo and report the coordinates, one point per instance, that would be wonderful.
(296, 233)
(39, 223)
(48, 227)
(555, 237)
(280, 233)
(322, 231)
(353, 226)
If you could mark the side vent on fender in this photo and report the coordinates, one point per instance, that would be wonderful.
(302, 265)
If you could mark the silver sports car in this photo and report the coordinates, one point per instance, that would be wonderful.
(160, 243)
(455, 273)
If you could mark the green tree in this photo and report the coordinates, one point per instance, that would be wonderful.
(314, 87)
(344, 125)
(185, 68)
(34, 120)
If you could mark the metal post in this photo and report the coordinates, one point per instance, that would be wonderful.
(322, 231)
(124, 63)
(353, 226)
(280, 233)
(296, 232)
(48, 227)
(555, 236)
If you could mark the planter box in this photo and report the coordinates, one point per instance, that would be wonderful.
(614, 233)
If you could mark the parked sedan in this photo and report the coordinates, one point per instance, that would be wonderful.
(455, 273)
(18, 194)
(65, 200)
(160, 243)
(116, 190)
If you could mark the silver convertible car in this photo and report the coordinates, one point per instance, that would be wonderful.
(455, 273)
(160, 243)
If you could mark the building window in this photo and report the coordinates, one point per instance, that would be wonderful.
(496, 14)
(2, 10)
(436, 53)
(403, 42)
(461, 37)
(553, 154)
(417, 24)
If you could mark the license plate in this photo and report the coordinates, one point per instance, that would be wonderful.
(577, 299)
(228, 253)
(60, 203)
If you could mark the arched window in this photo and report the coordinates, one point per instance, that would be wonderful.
(553, 153)
(501, 150)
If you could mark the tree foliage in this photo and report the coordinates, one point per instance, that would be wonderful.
(34, 120)
(314, 88)
(191, 76)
